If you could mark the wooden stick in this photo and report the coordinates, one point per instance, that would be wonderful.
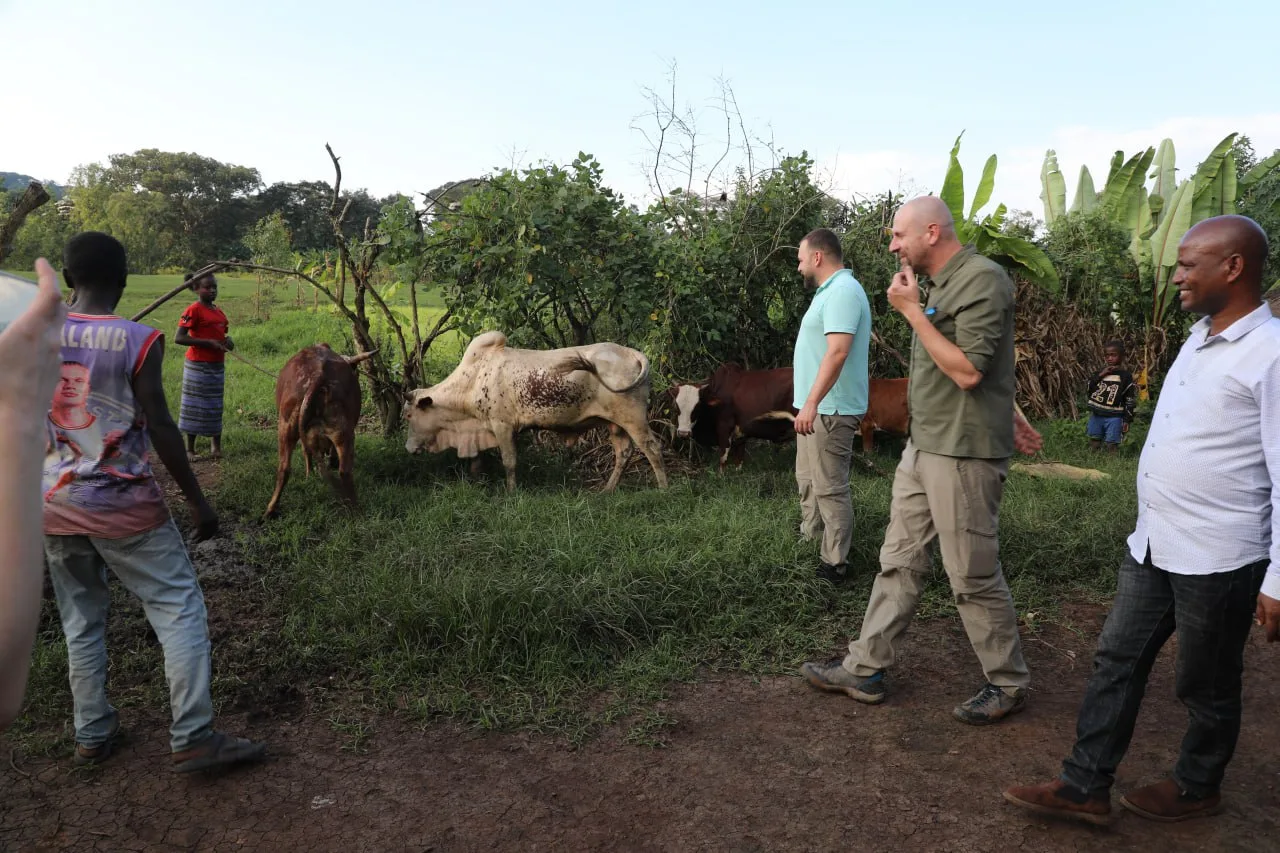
(186, 285)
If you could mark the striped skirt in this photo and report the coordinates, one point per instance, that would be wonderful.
(201, 412)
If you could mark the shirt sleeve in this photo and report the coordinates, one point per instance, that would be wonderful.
(980, 323)
(1269, 402)
(841, 313)
(189, 319)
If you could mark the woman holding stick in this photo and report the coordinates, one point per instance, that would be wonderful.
(203, 330)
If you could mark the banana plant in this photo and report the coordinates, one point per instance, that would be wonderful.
(986, 234)
(1158, 217)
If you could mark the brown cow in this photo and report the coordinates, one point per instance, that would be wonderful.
(736, 404)
(886, 411)
(318, 400)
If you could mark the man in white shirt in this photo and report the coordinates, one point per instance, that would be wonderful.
(1208, 526)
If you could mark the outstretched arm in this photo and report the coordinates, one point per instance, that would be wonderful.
(30, 345)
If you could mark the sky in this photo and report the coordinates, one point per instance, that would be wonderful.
(414, 94)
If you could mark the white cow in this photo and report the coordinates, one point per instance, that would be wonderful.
(496, 392)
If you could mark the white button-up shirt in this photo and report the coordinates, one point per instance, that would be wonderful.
(1209, 475)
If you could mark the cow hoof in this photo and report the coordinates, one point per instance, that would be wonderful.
(271, 514)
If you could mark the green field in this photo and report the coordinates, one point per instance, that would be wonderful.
(554, 607)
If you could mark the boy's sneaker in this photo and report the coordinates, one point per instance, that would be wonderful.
(834, 678)
(835, 575)
(991, 705)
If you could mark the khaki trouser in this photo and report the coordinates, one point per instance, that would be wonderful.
(822, 473)
(958, 502)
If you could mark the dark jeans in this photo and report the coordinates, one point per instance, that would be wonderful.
(1212, 615)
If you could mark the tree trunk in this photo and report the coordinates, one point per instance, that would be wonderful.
(32, 198)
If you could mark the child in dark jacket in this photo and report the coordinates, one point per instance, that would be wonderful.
(1113, 398)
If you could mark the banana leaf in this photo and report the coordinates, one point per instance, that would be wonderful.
(953, 185)
(1164, 246)
(1261, 170)
(1124, 184)
(1053, 188)
(1164, 170)
(1215, 183)
(985, 187)
(1086, 198)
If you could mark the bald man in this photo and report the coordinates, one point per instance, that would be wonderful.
(950, 480)
(1197, 563)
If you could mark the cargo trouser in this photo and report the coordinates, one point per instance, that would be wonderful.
(957, 501)
(822, 473)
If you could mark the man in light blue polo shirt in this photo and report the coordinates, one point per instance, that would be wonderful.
(831, 388)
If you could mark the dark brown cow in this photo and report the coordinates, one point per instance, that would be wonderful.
(886, 411)
(318, 400)
(736, 404)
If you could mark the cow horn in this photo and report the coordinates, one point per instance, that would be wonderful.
(356, 359)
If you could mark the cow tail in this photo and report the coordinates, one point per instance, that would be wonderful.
(308, 399)
(576, 361)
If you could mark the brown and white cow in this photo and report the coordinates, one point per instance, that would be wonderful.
(318, 402)
(497, 391)
(736, 404)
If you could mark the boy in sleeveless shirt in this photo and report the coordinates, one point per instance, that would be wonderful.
(104, 510)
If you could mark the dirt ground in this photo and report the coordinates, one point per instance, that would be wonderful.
(745, 765)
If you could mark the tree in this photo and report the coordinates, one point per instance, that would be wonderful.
(1259, 183)
(269, 245)
(549, 255)
(1091, 255)
(195, 206)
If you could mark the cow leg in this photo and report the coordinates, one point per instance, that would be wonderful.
(868, 436)
(724, 438)
(650, 446)
(344, 448)
(287, 439)
(622, 446)
(506, 438)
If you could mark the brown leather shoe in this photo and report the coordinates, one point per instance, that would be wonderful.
(1166, 802)
(1058, 799)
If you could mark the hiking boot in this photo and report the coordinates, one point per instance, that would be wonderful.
(217, 750)
(835, 575)
(834, 678)
(991, 705)
(1168, 803)
(1058, 799)
(87, 756)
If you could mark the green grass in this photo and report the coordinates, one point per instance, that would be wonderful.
(554, 607)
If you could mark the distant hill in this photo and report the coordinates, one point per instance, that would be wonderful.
(10, 181)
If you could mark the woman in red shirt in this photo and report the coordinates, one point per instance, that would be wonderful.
(203, 330)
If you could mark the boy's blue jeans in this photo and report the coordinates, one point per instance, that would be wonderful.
(1100, 428)
(155, 567)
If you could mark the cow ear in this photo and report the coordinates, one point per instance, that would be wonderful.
(423, 403)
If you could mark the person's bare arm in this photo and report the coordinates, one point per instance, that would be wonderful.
(148, 387)
(30, 346)
(183, 339)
